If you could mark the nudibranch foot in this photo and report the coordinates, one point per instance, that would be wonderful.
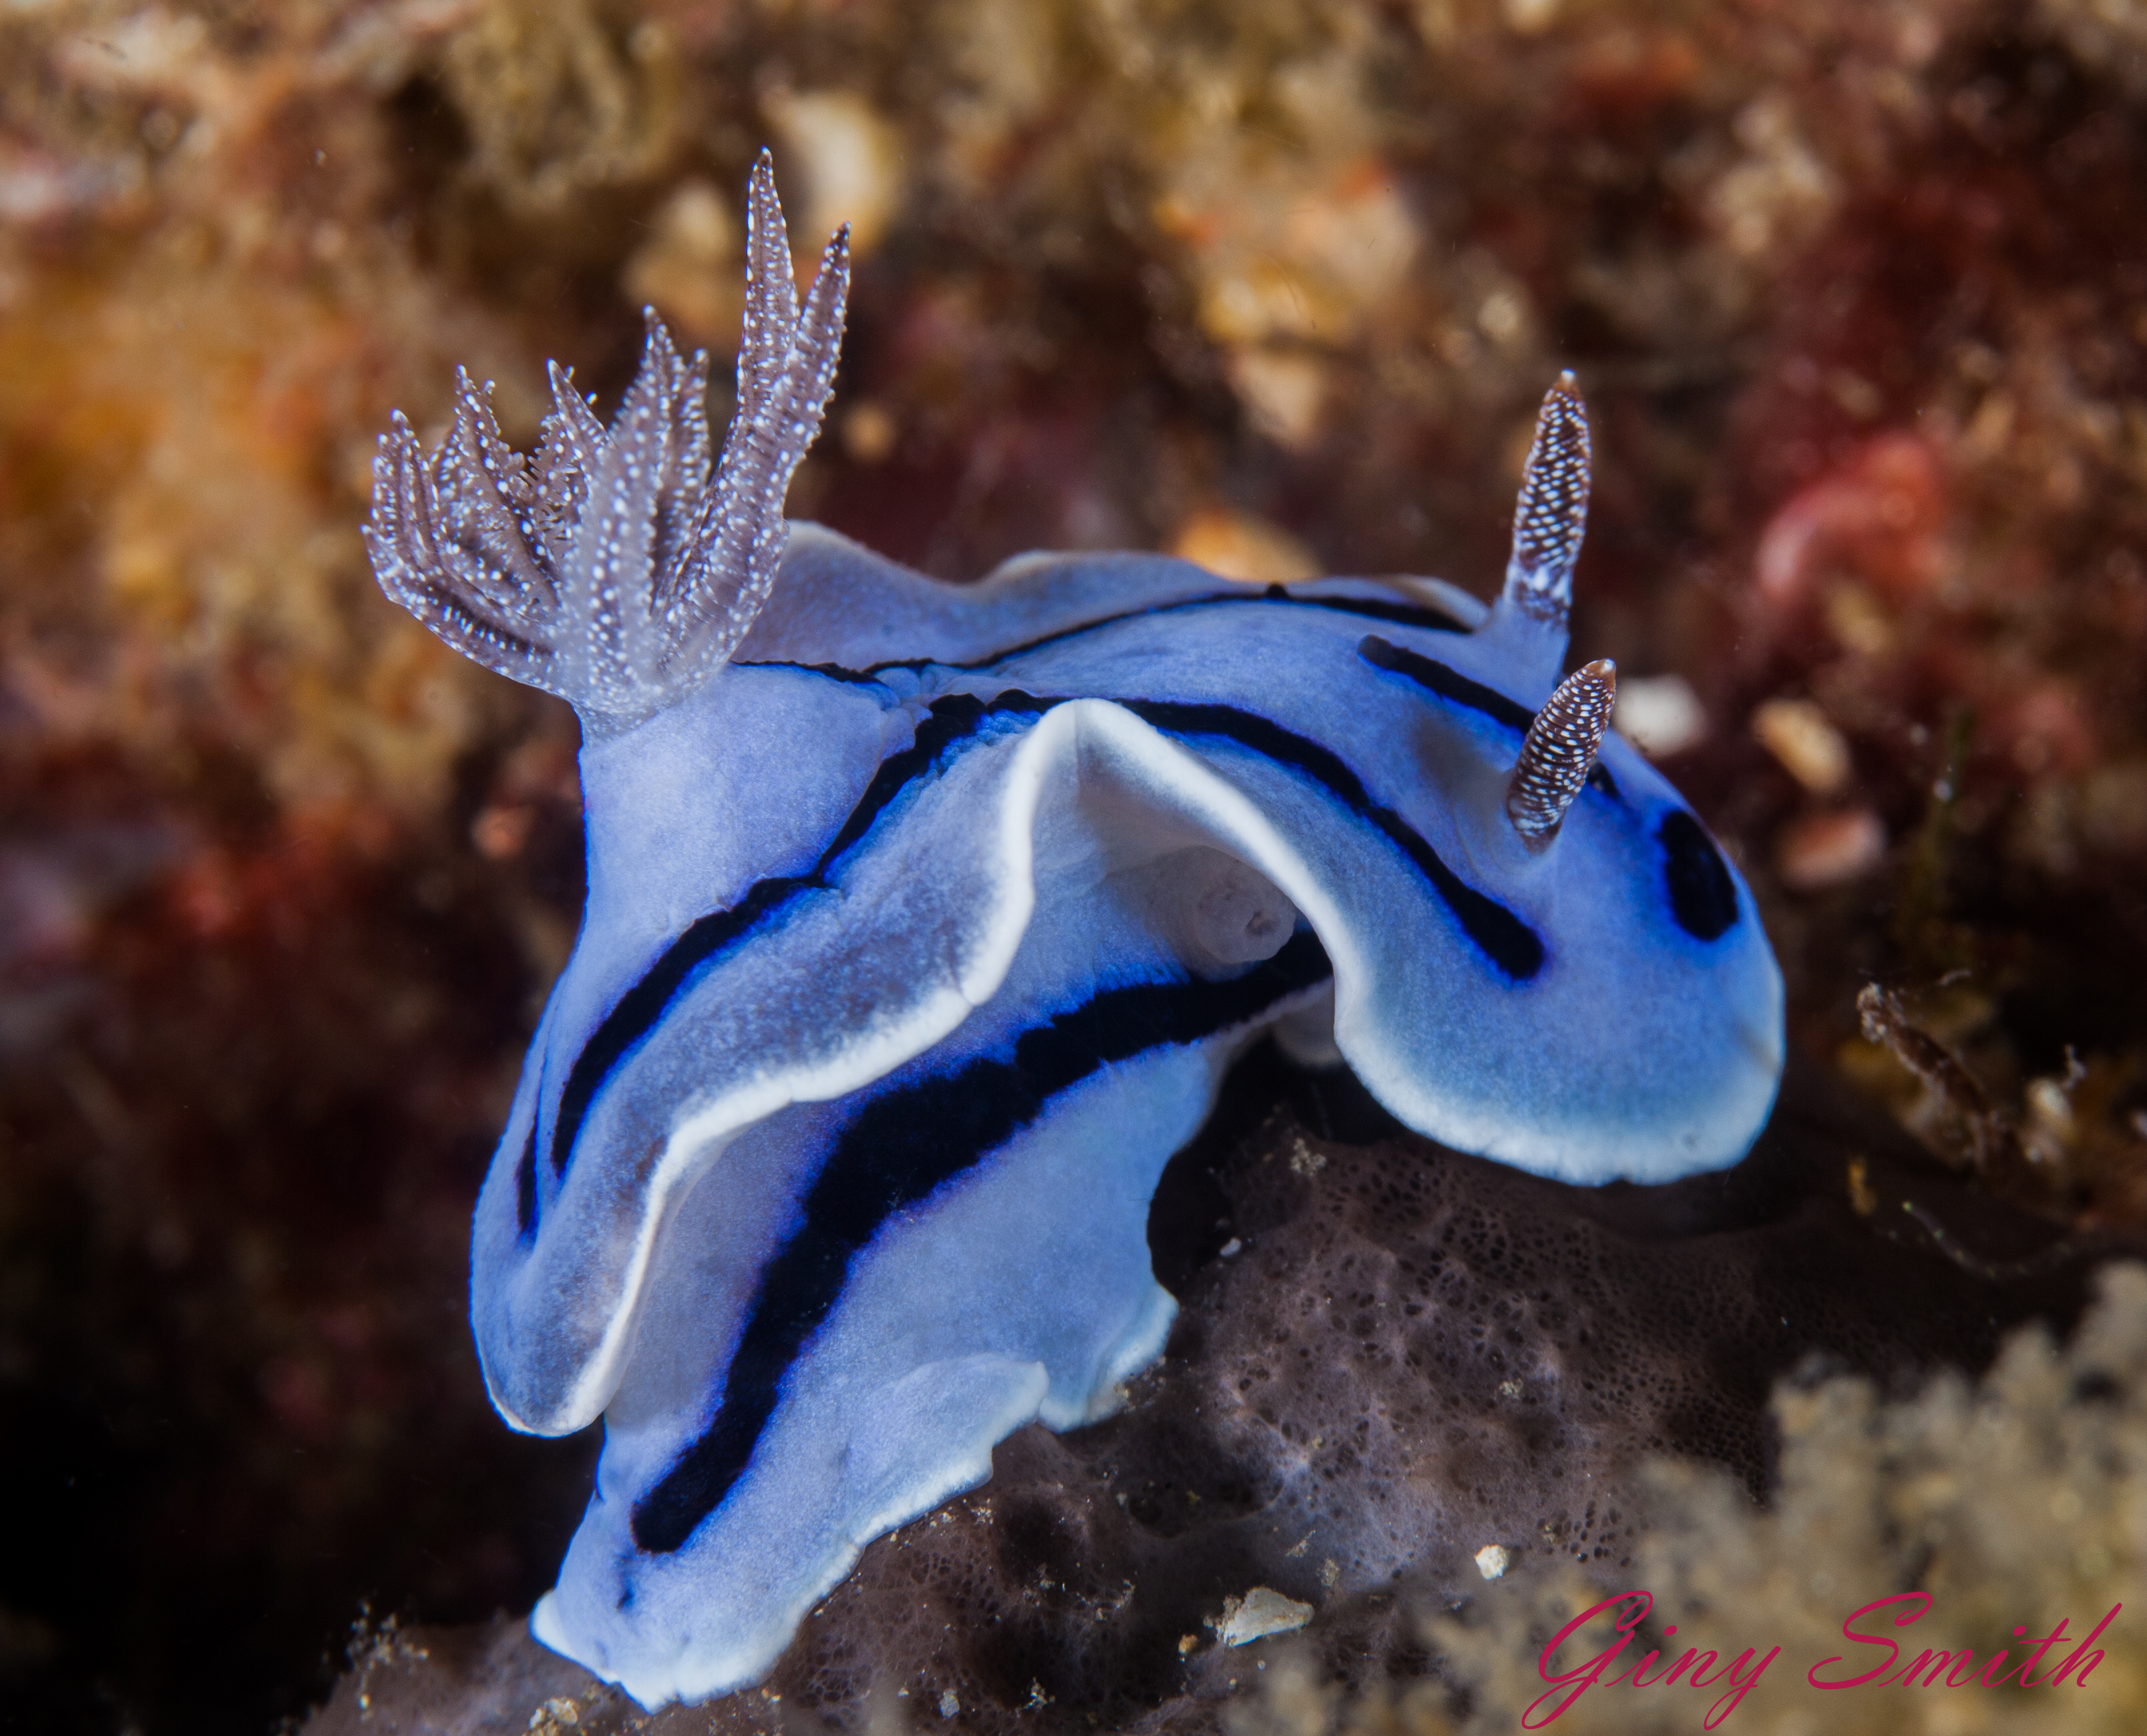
(888, 1343)
(923, 921)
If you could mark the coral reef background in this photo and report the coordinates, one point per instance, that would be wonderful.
(1856, 289)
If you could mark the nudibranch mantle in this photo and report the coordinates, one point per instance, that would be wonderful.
(924, 920)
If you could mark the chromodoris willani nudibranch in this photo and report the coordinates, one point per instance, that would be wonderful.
(925, 919)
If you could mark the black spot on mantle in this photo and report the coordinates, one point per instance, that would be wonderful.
(1703, 896)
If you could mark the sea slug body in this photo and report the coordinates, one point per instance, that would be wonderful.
(923, 921)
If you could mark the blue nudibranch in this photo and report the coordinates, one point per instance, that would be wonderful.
(923, 921)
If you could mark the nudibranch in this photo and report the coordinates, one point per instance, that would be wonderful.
(925, 919)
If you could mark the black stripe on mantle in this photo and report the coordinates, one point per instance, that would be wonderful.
(1507, 940)
(902, 1147)
(1418, 615)
(1459, 689)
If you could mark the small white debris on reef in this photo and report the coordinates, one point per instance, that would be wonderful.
(1261, 1612)
(1660, 714)
(1232, 544)
(1493, 1559)
(1802, 737)
(1820, 850)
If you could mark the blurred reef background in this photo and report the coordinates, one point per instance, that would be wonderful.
(1857, 290)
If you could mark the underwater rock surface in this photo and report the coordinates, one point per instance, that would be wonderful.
(1389, 1357)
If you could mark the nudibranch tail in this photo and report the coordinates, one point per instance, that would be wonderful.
(1559, 751)
(616, 568)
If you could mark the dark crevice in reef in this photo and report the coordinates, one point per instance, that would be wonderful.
(1189, 1219)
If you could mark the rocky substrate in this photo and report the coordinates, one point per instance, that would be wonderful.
(1390, 1358)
